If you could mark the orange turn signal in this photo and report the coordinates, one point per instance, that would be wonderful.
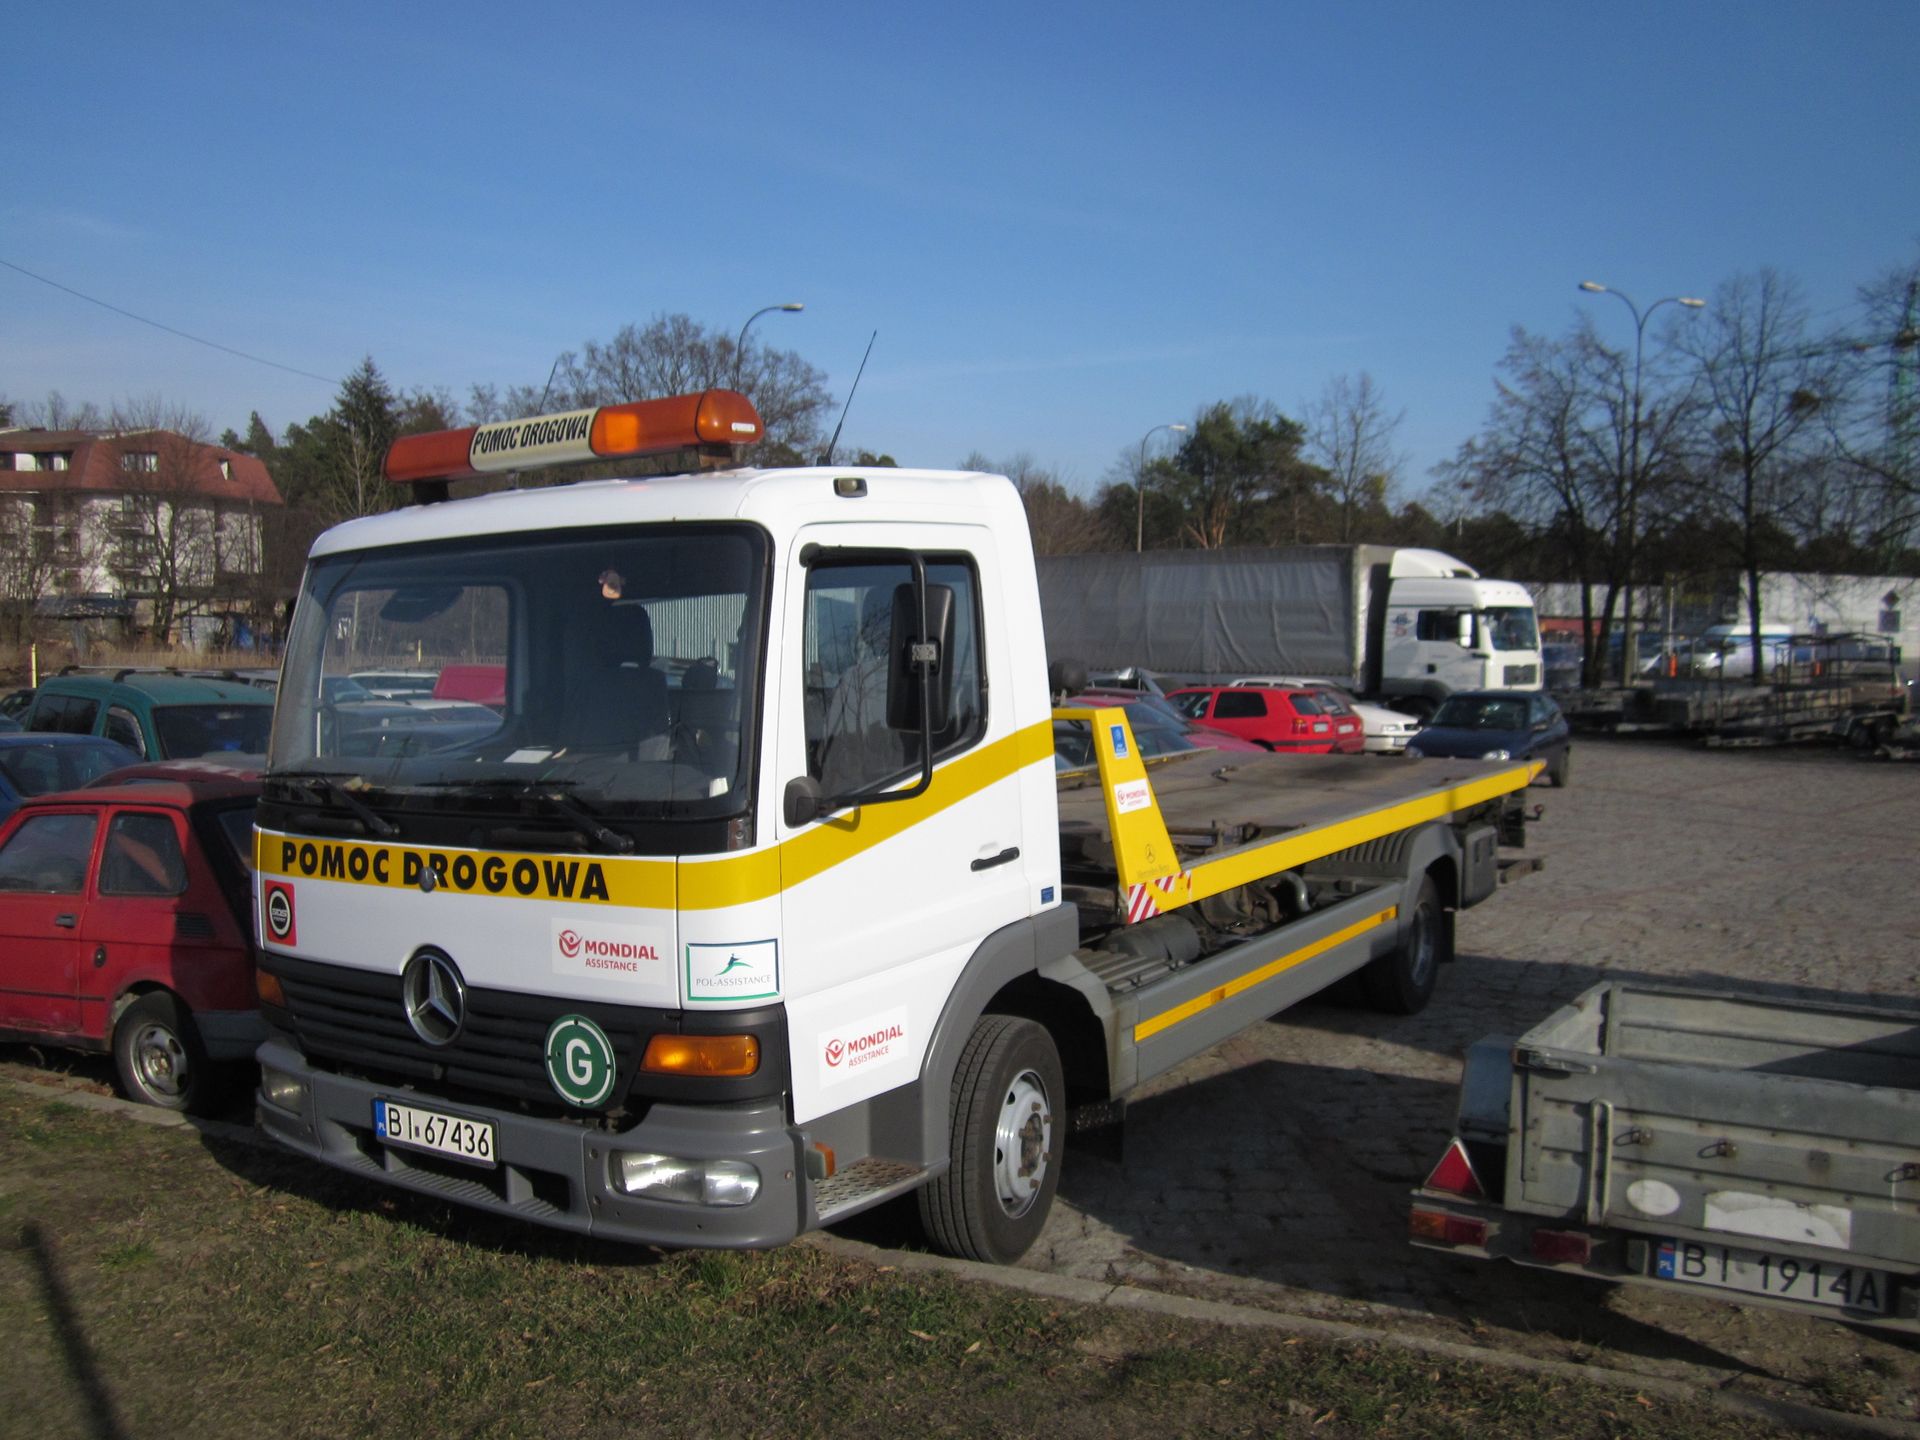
(720, 1056)
(267, 987)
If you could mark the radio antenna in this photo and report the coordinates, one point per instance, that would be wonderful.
(827, 459)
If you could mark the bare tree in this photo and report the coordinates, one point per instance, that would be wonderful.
(1060, 521)
(1764, 385)
(1350, 435)
(675, 355)
(165, 529)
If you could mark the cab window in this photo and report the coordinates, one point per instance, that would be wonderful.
(844, 651)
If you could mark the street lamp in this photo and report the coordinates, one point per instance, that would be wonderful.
(1140, 486)
(739, 346)
(1629, 646)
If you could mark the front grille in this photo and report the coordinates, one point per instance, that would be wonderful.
(1522, 674)
(355, 1022)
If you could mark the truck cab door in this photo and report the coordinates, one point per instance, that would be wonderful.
(883, 902)
(44, 870)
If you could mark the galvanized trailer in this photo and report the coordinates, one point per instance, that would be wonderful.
(1758, 1150)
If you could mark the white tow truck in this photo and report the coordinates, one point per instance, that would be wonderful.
(763, 902)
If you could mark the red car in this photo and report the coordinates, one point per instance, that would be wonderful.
(126, 926)
(1288, 719)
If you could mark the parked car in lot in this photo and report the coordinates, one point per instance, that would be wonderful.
(1147, 709)
(157, 714)
(1290, 719)
(1158, 729)
(40, 764)
(1499, 725)
(126, 926)
(1387, 731)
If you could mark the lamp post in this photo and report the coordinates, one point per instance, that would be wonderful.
(739, 346)
(1140, 486)
(1629, 644)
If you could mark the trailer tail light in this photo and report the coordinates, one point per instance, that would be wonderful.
(1444, 1229)
(1562, 1247)
(1455, 1175)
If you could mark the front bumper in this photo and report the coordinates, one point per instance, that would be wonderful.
(555, 1172)
(230, 1034)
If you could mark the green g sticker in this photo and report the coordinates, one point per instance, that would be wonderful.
(579, 1060)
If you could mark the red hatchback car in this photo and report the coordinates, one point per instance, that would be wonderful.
(126, 925)
(1288, 719)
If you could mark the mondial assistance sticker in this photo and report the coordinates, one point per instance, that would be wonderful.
(579, 1060)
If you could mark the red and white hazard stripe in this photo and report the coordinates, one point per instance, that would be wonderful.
(1144, 900)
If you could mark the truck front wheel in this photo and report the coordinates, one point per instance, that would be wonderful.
(1008, 1129)
(1402, 982)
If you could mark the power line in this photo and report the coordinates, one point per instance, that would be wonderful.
(196, 339)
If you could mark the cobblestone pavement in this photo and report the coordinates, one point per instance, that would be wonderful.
(1274, 1170)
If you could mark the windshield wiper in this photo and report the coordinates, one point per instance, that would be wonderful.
(329, 786)
(554, 792)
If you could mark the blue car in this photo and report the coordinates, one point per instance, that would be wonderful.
(1499, 725)
(32, 763)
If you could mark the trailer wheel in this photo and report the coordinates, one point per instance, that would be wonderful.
(1402, 983)
(1009, 1127)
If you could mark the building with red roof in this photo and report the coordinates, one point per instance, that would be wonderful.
(156, 529)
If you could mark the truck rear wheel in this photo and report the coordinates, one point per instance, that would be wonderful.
(1402, 983)
(1008, 1130)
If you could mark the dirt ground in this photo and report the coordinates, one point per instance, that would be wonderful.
(1274, 1170)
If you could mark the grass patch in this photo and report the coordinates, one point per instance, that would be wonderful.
(191, 1286)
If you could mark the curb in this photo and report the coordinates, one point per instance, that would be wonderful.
(1809, 1419)
(1792, 1414)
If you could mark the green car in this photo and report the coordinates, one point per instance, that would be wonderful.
(157, 714)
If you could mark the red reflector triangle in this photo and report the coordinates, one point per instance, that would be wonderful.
(1455, 1175)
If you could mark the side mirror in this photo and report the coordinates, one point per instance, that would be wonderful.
(1463, 633)
(913, 654)
(801, 804)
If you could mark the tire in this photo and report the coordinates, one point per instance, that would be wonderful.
(1009, 1128)
(1560, 769)
(1402, 983)
(160, 1058)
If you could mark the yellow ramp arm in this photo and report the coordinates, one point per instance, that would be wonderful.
(1141, 848)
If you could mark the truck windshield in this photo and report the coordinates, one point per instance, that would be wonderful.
(619, 664)
(1512, 627)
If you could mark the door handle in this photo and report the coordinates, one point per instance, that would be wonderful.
(1006, 856)
(66, 922)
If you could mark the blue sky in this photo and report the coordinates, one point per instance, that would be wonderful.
(1067, 223)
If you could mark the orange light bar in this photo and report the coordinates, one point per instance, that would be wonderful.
(719, 1056)
(710, 420)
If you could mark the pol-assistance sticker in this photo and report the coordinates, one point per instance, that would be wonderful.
(733, 972)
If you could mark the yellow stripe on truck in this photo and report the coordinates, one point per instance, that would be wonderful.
(1167, 1019)
(652, 883)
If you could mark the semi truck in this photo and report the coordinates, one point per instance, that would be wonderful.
(1402, 626)
(1720, 1143)
(767, 899)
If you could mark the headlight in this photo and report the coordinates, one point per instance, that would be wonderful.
(1496, 755)
(686, 1182)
